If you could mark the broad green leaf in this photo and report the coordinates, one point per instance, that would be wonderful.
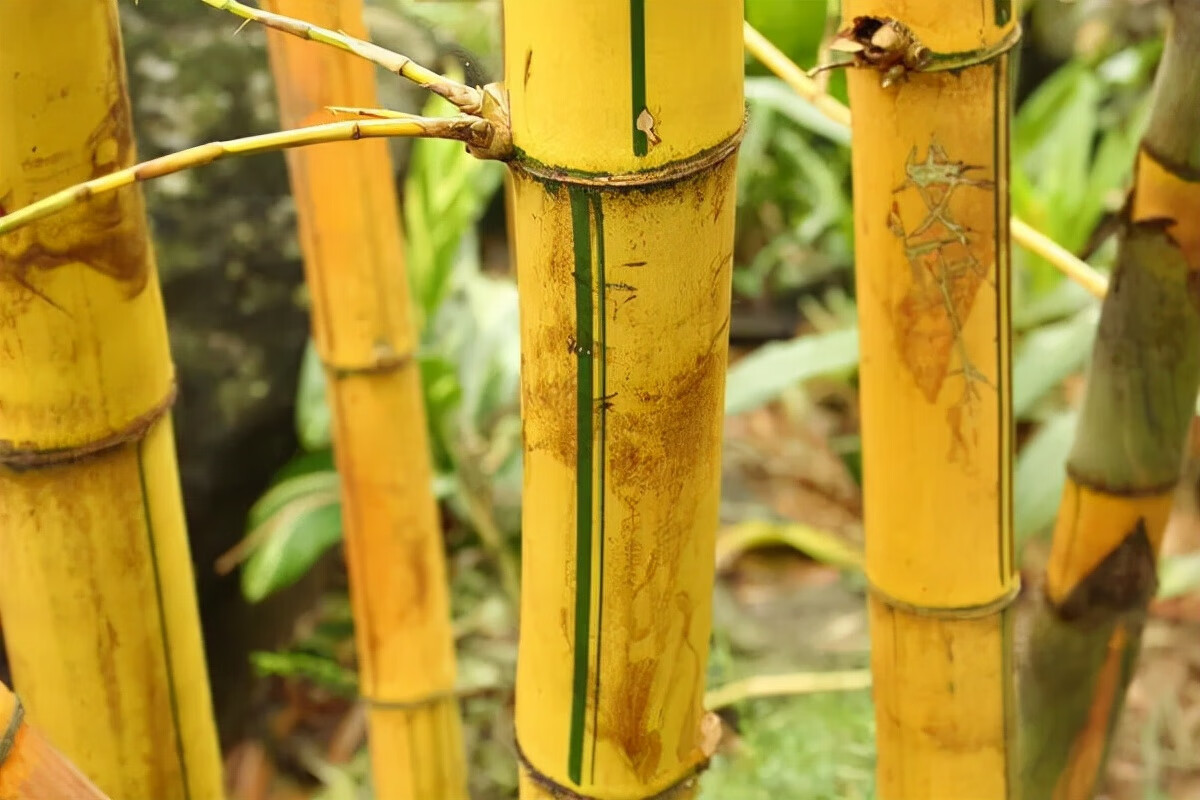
(778, 96)
(289, 490)
(295, 523)
(305, 463)
(445, 193)
(770, 370)
(1040, 475)
(1048, 355)
(313, 422)
(1065, 299)
(1178, 575)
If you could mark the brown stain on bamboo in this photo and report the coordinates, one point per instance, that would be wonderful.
(627, 723)
(654, 447)
(548, 395)
(103, 233)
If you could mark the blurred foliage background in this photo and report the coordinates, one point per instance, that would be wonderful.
(254, 433)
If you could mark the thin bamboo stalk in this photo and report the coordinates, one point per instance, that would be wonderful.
(96, 583)
(626, 119)
(30, 767)
(1022, 232)
(930, 173)
(1128, 451)
(363, 329)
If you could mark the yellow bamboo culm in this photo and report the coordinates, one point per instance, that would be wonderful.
(363, 329)
(96, 582)
(30, 767)
(930, 173)
(626, 118)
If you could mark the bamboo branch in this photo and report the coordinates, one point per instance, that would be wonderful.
(1022, 233)
(795, 683)
(468, 99)
(472, 130)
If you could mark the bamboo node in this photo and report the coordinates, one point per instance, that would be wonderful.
(383, 361)
(673, 172)
(418, 704)
(493, 110)
(676, 791)
(894, 49)
(9, 740)
(25, 455)
(952, 612)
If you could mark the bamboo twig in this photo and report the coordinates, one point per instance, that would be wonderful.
(788, 684)
(1022, 233)
(468, 99)
(471, 130)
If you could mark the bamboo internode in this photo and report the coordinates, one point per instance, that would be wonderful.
(96, 583)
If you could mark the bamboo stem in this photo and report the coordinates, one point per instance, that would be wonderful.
(930, 169)
(624, 193)
(472, 130)
(363, 329)
(1085, 629)
(97, 590)
(1023, 234)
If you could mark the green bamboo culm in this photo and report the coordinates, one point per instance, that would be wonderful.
(1083, 628)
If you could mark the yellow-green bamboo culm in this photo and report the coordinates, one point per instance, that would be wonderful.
(363, 330)
(930, 178)
(96, 582)
(626, 118)
(1085, 628)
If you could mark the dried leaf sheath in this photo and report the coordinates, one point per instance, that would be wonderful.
(930, 171)
(1144, 375)
(624, 199)
(96, 583)
(362, 324)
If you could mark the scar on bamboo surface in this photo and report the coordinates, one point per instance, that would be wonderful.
(946, 278)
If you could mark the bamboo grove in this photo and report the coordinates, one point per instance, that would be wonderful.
(622, 162)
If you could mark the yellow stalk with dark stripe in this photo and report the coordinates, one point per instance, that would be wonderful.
(1085, 632)
(96, 583)
(363, 329)
(626, 118)
(930, 171)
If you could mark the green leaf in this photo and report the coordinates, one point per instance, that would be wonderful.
(313, 423)
(293, 525)
(770, 370)
(1178, 575)
(1040, 475)
(1048, 355)
(776, 95)
(445, 193)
